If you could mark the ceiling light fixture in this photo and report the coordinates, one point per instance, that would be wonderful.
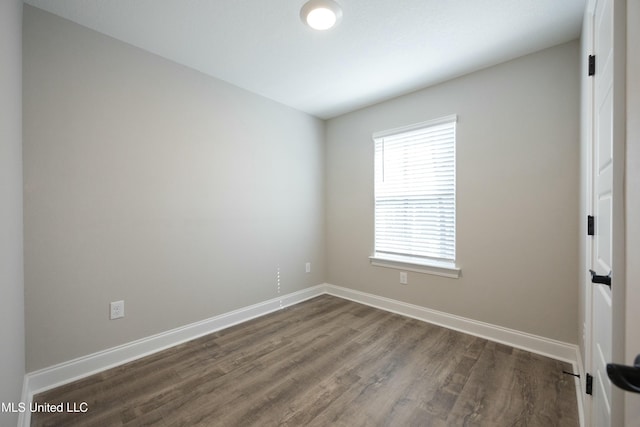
(321, 14)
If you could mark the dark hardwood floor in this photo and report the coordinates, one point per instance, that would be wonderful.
(326, 362)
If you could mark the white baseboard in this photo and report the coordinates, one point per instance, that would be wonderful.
(536, 344)
(63, 373)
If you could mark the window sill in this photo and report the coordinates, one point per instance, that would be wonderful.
(444, 269)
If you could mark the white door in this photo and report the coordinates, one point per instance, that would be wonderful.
(603, 164)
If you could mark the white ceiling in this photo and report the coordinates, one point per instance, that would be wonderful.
(381, 49)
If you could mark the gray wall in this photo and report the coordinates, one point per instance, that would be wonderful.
(517, 195)
(150, 182)
(11, 267)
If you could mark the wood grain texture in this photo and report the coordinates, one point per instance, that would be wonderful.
(326, 362)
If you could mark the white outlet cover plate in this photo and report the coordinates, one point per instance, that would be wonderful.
(403, 278)
(116, 310)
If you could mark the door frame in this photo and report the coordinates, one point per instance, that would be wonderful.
(632, 201)
(586, 147)
(619, 281)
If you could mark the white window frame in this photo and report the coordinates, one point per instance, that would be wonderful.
(403, 261)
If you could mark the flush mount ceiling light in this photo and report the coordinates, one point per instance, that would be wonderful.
(321, 14)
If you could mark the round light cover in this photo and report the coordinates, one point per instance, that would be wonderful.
(321, 14)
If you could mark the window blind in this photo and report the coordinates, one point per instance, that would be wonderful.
(415, 191)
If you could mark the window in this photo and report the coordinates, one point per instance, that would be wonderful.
(415, 197)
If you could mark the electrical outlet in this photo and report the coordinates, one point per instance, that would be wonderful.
(117, 310)
(403, 277)
(307, 267)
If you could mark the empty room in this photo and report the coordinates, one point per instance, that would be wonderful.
(319, 213)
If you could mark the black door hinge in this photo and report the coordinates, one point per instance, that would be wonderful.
(592, 65)
(590, 225)
(589, 388)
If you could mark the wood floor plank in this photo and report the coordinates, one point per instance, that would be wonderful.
(326, 361)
